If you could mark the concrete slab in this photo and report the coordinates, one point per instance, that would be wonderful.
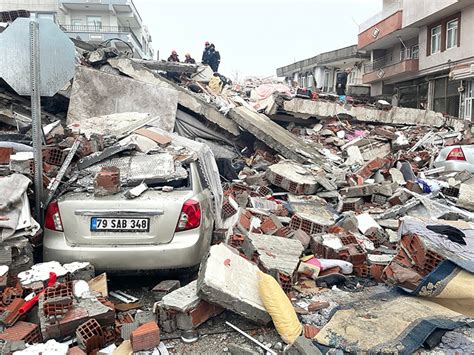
(95, 93)
(397, 115)
(275, 254)
(185, 98)
(227, 279)
(275, 136)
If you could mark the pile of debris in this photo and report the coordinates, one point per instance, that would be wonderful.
(332, 200)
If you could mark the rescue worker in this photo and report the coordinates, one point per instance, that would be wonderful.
(206, 54)
(173, 57)
(189, 59)
(215, 58)
(341, 83)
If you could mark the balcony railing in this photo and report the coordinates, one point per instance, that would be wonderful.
(381, 62)
(386, 12)
(102, 29)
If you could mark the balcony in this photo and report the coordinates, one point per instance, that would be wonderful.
(381, 70)
(120, 7)
(380, 26)
(98, 34)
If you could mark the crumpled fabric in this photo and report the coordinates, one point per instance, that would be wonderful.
(11, 189)
(266, 90)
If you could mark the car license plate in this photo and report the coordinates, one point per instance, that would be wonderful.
(106, 224)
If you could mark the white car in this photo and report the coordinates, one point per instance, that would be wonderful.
(456, 158)
(155, 231)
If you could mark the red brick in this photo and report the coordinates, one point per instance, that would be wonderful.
(5, 154)
(203, 312)
(371, 167)
(28, 332)
(90, 336)
(10, 314)
(376, 271)
(145, 337)
(310, 331)
(107, 180)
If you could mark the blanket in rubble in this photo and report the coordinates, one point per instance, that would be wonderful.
(434, 268)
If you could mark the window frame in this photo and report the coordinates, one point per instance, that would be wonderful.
(438, 36)
(96, 25)
(455, 29)
(444, 33)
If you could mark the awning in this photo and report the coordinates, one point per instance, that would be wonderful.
(462, 72)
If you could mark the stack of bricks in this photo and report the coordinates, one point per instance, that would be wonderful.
(90, 336)
(107, 181)
(56, 301)
(145, 337)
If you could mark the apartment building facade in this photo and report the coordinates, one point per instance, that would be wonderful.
(320, 72)
(117, 22)
(422, 54)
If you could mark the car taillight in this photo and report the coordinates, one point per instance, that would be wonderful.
(190, 216)
(53, 218)
(456, 154)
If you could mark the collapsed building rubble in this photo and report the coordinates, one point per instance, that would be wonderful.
(332, 200)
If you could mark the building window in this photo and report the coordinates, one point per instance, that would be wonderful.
(326, 84)
(415, 52)
(94, 22)
(436, 39)
(452, 34)
(444, 34)
(46, 15)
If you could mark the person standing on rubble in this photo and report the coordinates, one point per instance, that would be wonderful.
(173, 57)
(206, 54)
(215, 58)
(341, 83)
(189, 59)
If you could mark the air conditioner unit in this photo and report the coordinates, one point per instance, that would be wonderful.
(472, 69)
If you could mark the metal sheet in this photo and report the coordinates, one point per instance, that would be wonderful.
(138, 168)
(57, 57)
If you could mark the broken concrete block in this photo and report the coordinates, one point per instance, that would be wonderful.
(302, 236)
(399, 198)
(276, 255)
(354, 156)
(227, 279)
(190, 311)
(292, 177)
(466, 197)
(359, 191)
(367, 225)
(164, 288)
(397, 176)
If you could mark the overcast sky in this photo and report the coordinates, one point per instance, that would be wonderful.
(254, 37)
